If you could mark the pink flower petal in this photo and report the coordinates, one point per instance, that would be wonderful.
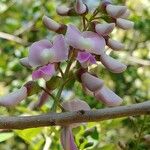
(97, 40)
(67, 139)
(45, 72)
(13, 98)
(61, 49)
(108, 97)
(36, 51)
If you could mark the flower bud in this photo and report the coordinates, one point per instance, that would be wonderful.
(65, 11)
(13, 98)
(50, 24)
(104, 29)
(91, 82)
(108, 97)
(126, 14)
(115, 45)
(124, 24)
(80, 7)
(25, 62)
(112, 64)
(115, 11)
(75, 105)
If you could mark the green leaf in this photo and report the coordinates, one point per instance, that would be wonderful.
(5, 136)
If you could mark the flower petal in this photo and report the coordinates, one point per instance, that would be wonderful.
(13, 98)
(67, 139)
(35, 52)
(45, 72)
(108, 97)
(75, 105)
(91, 82)
(83, 56)
(60, 48)
(98, 42)
(112, 64)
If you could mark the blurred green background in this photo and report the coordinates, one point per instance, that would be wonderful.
(21, 24)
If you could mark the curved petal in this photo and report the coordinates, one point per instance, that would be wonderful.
(67, 139)
(75, 105)
(45, 72)
(98, 42)
(73, 36)
(13, 98)
(35, 53)
(91, 82)
(112, 64)
(60, 48)
(108, 97)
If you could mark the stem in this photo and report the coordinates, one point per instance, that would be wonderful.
(66, 118)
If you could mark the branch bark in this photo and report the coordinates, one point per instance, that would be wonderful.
(66, 118)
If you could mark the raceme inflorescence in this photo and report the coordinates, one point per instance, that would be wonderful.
(82, 47)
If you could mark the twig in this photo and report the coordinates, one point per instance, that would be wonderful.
(62, 119)
(12, 38)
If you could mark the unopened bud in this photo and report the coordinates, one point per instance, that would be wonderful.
(13, 98)
(66, 11)
(108, 97)
(124, 24)
(80, 7)
(115, 11)
(126, 14)
(112, 64)
(104, 29)
(25, 62)
(91, 82)
(115, 45)
(50, 24)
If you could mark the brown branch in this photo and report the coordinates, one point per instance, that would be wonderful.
(62, 119)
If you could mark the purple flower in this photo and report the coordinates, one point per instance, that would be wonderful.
(44, 54)
(89, 41)
(86, 59)
(67, 139)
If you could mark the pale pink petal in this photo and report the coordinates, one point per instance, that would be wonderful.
(80, 7)
(115, 11)
(36, 51)
(67, 139)
(91, 82)
(126, 14)
(73, 36)
(50, 24)
(112, 64)
(25, 62)
(108, 97)
(45, 72)
(105, 28)
(13, 98)
(60, 48)
(98, 42)
(75, 105)
(115, 45)
(62, 10)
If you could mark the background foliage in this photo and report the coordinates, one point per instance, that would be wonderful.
(22, 19)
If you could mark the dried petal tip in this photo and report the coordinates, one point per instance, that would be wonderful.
(108, 97)
(80, 7)
(63, 10)
(91, 82)
(112, 64)
(115, 45)
(115, 11)
(51, 24)
(25, 62)
(124, 24)
(13, 98)
(104, 29)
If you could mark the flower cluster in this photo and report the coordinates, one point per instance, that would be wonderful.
(85, 47)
